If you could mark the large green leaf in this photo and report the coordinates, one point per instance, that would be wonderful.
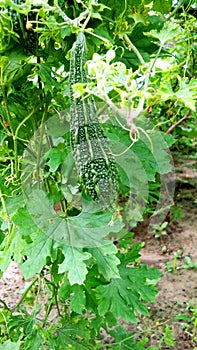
(146, 157)
(124, 296)
(33, 340)
(169, 31)
(88, 229)
(9, 345)
(11, 65)
(185, 94)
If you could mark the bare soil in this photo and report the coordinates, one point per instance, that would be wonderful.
(179, 287)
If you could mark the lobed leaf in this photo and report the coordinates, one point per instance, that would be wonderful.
(74, 264)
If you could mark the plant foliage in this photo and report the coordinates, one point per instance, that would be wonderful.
(82, 266)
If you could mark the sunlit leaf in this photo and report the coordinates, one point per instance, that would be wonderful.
(9, 345)
(168, 33)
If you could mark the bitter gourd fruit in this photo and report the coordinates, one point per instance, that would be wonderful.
(93, 159)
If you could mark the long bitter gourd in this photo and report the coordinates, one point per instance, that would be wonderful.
(93, 159)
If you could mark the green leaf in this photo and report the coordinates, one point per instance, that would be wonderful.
(56, 158)
(9, 345)
(65, 31)
(168, 33)
(124, 296)
(128, 341)
(162, 158)
(37, 252)
(14, 203)
(78, 300)
(132, 255)
(102, 31)
(96, 15)
(106, 260)
(74, 264)
(130, 164)
(46, 75)
(24, 222)
(120, 334)
(168, 337)
(33, 340)
(162, 6)
(113, 297)
(57, 126)
(74, 334)
(14, 250)
(88, 229)
(65, 289)
(187, 93)
(146, 159)
(11, 64)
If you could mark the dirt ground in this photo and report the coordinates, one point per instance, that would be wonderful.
(176, 289)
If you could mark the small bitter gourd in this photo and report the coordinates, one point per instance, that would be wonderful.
(93, 159)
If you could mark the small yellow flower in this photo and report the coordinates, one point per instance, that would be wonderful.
(29, 25)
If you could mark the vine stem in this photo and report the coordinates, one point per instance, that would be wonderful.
(42, 129)
(175, 10)
(136, 112)
(15, 140)
(24, 295)
(4, 304)
(12, 131)
(86, 21)
(155, 59)
(10, 237)
(134, 49)
(4, 206)
(177, 123)
(21, 123)
(142, 332)
(51, 302)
